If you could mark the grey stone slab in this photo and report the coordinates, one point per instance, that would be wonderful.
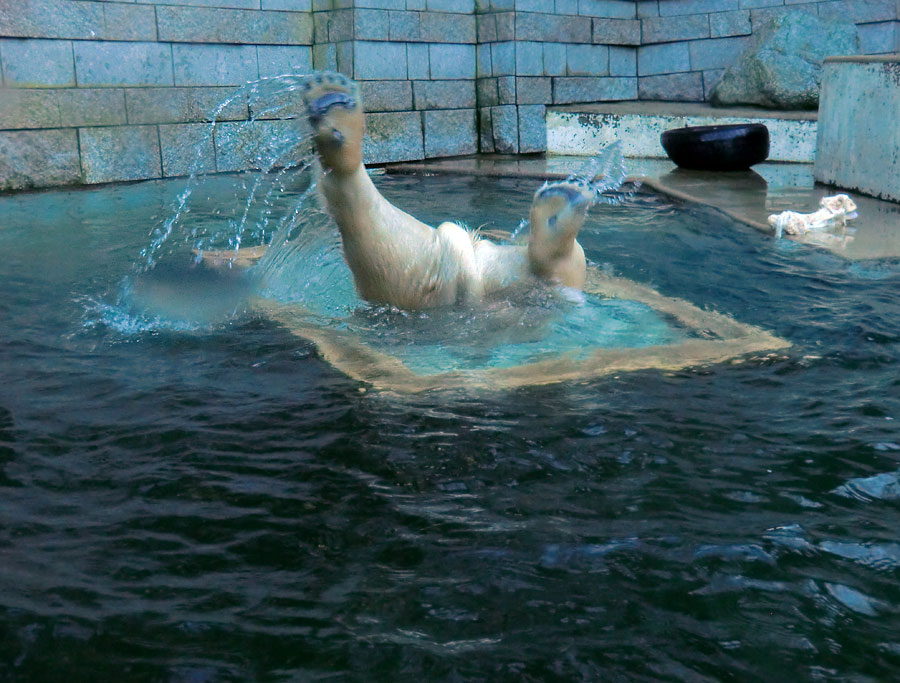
(394, 136)
(216, 25)
(183, 105)
(877, 38)
(483, 68)
(287, 5)
(503, 59)
(622, 61)
(682, 87)
(710, 78)
(670, 29)
(440, 27)
(416, 5)
(452, 61)
(485, 131)
(486, 92)
(21, 108)
(647, 8)
(506, 89)
(554, 59)
(380, 4)
(35, 63)
(608, 9)
(325, 57)
(38, 158)
(753, 4)
(419, 61)
(345, 58)
(444, 94)
(110, 63)
(552, 28)
(456, 6)
(377, 61)
(119, 153)
(277, 60)
(371, 24)
(533, 90)
(232, 4)
(587, 60)
(386, 95)
(339, 25)
(246, 145)
(214, 64)
(593, 89)
(486, 28)
(187, 148)
(663, 58)
(92, 107)
(566, 6)
(616, 32)
(77, 19)
(403, 25)
(506, 26)
(128, 22)
(529, 59)
(724, 24)
(505, 129)
(668, 8)
(450, 133)
(859, 11)
(532, 129)
(543, 6)
(717, 53)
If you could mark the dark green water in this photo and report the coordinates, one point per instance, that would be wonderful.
(213, 502)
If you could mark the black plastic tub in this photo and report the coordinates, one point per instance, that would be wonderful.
(734, 147)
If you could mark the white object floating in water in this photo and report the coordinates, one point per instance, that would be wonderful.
(834, 213)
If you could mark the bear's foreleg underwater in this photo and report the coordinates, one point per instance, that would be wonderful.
(398, 260)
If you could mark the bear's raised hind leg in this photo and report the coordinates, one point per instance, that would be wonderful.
(334, 108)
(557, 214)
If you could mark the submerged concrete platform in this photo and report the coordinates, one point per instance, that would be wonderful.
(748, 197)
(583, 129)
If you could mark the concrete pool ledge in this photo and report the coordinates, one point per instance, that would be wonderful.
(748, 197)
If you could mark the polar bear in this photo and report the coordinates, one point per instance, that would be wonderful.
(398, 260)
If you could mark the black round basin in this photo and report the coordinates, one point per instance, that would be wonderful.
(734, 147)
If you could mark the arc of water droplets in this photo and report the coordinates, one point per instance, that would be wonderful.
(605, 172)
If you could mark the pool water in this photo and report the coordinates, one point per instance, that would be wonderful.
(189, 492)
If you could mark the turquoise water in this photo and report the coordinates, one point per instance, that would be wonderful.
(190, 493)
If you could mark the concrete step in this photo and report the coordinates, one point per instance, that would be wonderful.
(582, 129)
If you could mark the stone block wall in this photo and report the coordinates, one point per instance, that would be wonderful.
(107, 90)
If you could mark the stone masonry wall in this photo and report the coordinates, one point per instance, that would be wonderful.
(101, 90)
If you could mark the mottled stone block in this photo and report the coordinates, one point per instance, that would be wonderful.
(187, 148)
(380, 4)
(647, 8)
(419, 61)
(452, 61)
(277, 60)
(609, 9)
(345, 57)
(725, 24)
(38, 158)
(681, 87)
(485, 131)
(375, 61)
(486, 28)
(372, 24)
(622, 61)
(386, 95)
(506, 26)
(670, 29)
(554, 59)
(544, 6)
(710, 78)
(858, 11)
(594, 89)
(505, 129)
(324, 56)
(486, 92)
(183, 105)
(616, 32)
(403, 25)
(444, 94)
(333, 26)
(717, 53)
(394, 136)
(877, 39)
(566, 7)
(105, 63)
(553, 28)
(450, 133)
(119, 153)
(532, 129)
(438, 27)
(92, 107)
(285, 5)
(128, 22)
(483, 68)
(668, 8)
(214, 64)
(587, 60)
(503, 59)
(663, 59)
(533, 91)
(246, 145)
(77, 19)
(506, 89)
(455, 6)
(31, 63)
(217, 25)
(29, 109)
(529, 59)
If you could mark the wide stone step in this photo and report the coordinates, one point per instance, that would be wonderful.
(583, 129)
